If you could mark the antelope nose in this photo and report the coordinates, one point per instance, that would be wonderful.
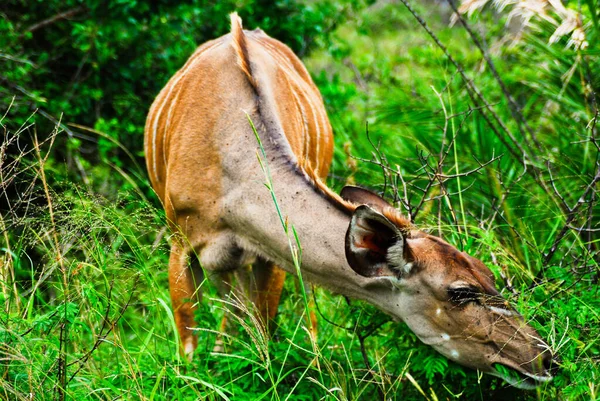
(551, 363)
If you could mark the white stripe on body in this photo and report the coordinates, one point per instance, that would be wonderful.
(305, 130)
(171, 85)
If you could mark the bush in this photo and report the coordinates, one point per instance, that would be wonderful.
(100, 64)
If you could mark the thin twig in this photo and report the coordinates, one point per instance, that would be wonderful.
(514, 108)
(570, 217)
(379, 159)
(103, 336)
(363, 351)
(64, 15)
(474, 92)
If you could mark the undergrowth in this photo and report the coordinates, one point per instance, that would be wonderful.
(83, 269)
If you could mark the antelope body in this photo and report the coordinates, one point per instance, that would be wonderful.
(202, 160)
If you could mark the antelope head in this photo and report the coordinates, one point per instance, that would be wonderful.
(446, 297)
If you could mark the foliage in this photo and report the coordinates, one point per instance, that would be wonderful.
(100, 64)
(84, 251)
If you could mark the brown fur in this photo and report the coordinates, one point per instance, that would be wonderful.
(171, 145)
(201, 157)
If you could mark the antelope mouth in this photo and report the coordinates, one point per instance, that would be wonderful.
(517, 378)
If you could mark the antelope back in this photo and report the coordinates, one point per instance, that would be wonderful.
(286, 89)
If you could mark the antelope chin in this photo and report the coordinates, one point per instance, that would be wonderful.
(515, 378)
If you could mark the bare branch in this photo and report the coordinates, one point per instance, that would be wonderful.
(470, 172)
(570, 217)
(64, 15)
(514, 108)
(558, 194)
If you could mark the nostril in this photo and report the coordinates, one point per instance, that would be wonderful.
(551, 363)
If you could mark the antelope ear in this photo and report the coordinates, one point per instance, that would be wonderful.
(374, 245)
(363, 196)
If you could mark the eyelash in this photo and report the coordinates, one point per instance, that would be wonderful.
(464, 295)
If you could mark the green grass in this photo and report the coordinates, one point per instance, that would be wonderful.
(506, 215)
(83, 269)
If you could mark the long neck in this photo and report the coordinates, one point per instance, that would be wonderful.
(249, 207)
(319, 224)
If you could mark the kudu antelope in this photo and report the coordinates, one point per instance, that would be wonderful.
(202, 161)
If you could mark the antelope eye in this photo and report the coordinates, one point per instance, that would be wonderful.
(464, 295)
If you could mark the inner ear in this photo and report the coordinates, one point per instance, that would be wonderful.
(363, 196)
(369, 239)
